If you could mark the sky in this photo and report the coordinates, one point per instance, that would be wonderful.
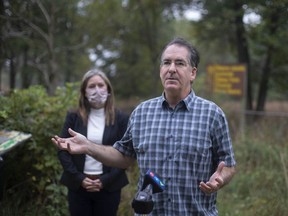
(249, 18)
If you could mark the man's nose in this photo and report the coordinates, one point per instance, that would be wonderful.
(172, 68)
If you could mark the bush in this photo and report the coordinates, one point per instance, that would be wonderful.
(32, 169)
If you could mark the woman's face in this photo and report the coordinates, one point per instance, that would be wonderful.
(96, 92)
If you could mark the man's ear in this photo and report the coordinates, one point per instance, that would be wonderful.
(193, 74)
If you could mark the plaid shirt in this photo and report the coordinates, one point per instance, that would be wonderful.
(183, 146)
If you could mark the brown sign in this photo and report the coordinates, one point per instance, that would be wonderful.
(226, 79)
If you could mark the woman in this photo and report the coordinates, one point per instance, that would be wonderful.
(93, 188)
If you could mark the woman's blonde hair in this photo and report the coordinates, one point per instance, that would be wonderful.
(84, 105)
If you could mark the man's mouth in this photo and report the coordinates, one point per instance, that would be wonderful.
(171, 79)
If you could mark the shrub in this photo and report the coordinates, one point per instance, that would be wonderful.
(32, 169)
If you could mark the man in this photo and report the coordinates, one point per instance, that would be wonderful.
(183, 138)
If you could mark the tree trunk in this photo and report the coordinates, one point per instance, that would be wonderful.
(243, 53)
(151, 34)
(12, 71)
(266, 73)
(263, 89)
(26, 76)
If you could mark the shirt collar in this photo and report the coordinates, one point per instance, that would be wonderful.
(183, 103)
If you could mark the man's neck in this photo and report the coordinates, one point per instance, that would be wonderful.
(174, 99)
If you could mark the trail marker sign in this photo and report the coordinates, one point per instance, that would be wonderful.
(227, 79)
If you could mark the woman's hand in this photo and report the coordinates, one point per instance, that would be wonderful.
(92, 185)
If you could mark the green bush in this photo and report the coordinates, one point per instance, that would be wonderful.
(32, 169)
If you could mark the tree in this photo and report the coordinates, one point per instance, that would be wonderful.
(245, 39)
(42, 31)
(129, 46)
(273, 27)
(49, 43)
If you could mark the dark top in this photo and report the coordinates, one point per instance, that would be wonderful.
(112, 179)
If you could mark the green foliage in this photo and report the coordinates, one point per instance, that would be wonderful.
(32, 169)
(129, 191)
(125, 39)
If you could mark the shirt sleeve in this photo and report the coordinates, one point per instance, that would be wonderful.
(222, 143)
(125, 145)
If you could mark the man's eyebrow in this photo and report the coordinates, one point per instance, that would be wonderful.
(170, 59)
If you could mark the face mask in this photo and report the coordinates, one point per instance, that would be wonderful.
(97, 96)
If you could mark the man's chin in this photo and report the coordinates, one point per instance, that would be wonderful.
(171, 85)
(171, 88)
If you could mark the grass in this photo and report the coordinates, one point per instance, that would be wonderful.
(260, 186)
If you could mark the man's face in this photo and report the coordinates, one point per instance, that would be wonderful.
(176, 72)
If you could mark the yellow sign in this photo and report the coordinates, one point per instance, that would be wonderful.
(227, 79)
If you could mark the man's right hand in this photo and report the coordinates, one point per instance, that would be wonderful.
(77, 144)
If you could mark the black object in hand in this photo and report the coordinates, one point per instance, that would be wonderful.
(143, 202)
